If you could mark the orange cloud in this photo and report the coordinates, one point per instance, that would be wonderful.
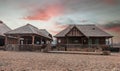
(46, 13)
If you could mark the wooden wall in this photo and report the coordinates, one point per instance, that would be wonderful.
(74, 32)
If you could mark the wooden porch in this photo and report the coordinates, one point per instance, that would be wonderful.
(79, 47)
(26, 43)
(82, 42)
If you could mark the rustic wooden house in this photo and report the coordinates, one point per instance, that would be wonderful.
(3, 29)
(75, 37)
(27, 37)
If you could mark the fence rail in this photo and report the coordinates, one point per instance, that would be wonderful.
(78, 47)
(83, 45)
(25, 47)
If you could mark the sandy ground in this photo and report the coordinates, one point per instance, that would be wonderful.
(37, 61)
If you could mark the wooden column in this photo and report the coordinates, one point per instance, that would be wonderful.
(88, 42)
(67, 44)
(111, 42)
(18, 39)
(108, 41)
(81, 44)
(6, 40)
(33, 39)
(41, 41)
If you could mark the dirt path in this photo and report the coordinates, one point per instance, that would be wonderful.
(36, 61)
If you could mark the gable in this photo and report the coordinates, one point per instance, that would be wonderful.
(74, 32)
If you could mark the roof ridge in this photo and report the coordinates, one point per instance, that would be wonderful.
(1, 22)
(7, 26)
(31, 29)
(31, 26)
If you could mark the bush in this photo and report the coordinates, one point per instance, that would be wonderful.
(106, 53)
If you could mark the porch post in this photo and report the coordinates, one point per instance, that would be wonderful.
(108, 41)
(111, 42)
(6, 40)
(18, 39)
(41, 41)
(82, 40)
(88, 42)
(67, 44)
(33, 39)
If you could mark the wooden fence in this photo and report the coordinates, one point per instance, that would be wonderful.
(78, 47)
(25, 47)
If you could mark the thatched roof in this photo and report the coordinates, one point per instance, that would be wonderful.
(3, 28)
(87, 30)
(28, 29)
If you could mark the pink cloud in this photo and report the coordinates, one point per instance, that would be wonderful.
(110, 2)
(46, 13)
(114, 29)
(57, 28)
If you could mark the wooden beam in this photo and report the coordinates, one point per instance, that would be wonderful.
(88, 42)
(33, 39)
(6, 40)
(18, 39)
(111, 42)
(67, 44)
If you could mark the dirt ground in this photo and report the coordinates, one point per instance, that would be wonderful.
(37, 61)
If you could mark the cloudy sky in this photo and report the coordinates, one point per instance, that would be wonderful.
(55, 15)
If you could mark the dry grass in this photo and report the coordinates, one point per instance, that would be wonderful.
(34, 61)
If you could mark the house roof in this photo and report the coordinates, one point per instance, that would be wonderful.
(47, 34)
(64, 32)
(87, 30)
(3, 28)
(28, 29)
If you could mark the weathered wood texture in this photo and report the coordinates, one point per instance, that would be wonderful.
(74, 32)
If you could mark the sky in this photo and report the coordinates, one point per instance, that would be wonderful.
(55, 15)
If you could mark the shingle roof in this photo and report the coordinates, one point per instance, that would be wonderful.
(87, 30)
(47, 34)
(27, 29)
(64, 32)
(3, 28)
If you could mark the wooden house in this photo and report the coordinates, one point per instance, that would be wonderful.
(27, 37)
(75, 37)
(3, 29)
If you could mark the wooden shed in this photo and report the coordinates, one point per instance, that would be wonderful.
(75, 37)
(27, 37)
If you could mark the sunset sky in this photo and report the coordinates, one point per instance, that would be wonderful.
(55, 15)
